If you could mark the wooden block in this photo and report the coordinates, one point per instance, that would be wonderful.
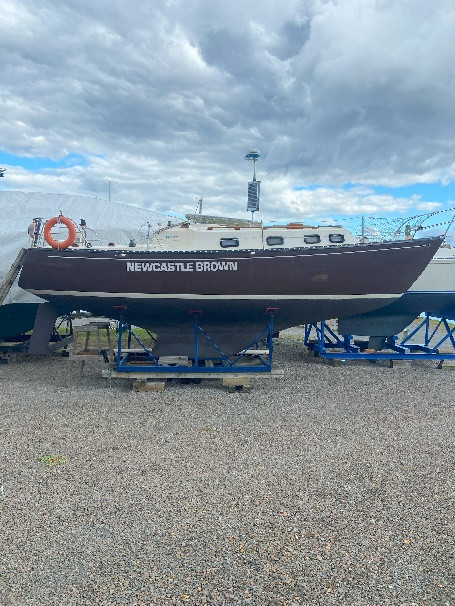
(243, 388)
(335, 362)
(400, 363)
(234, 383)
(447, 365)
(141, 385)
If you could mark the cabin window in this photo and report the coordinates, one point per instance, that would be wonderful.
(274, 241)
(313, 239)
(229, 242)
(336, 238)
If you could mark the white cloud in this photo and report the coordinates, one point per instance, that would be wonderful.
(165, 98)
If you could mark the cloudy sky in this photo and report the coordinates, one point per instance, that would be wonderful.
(351, 103)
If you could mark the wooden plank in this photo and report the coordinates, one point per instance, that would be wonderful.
(174, 360)
(275, 373)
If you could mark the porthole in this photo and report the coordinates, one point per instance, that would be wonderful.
(336, 238)
(274, 241)
(313, 239)
(229, 242)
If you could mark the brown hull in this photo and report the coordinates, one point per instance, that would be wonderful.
(231, 288)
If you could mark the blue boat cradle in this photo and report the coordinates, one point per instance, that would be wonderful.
(325, 342)
(140, 358)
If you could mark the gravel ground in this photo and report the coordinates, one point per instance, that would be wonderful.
(331, 485)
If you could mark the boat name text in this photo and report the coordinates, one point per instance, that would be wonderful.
(179, 266)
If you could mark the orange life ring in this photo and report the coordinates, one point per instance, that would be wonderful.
(71, 229)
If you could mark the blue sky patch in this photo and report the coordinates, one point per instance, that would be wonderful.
(427, 192)
(35, 163)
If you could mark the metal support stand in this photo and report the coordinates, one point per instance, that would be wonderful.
(323, 341)
(327, 339)
(432, 337)
(141, 359)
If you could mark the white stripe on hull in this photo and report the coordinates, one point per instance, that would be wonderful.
(432, 292)
(139, 295)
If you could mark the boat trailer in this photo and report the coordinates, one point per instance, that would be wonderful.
(320, 338)
(138, 358)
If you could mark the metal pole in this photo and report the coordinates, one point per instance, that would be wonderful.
(196, 341)
(119, 342)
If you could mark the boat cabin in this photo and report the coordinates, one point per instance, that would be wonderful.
(199, 236)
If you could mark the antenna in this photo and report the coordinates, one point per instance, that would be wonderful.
(253, 186)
